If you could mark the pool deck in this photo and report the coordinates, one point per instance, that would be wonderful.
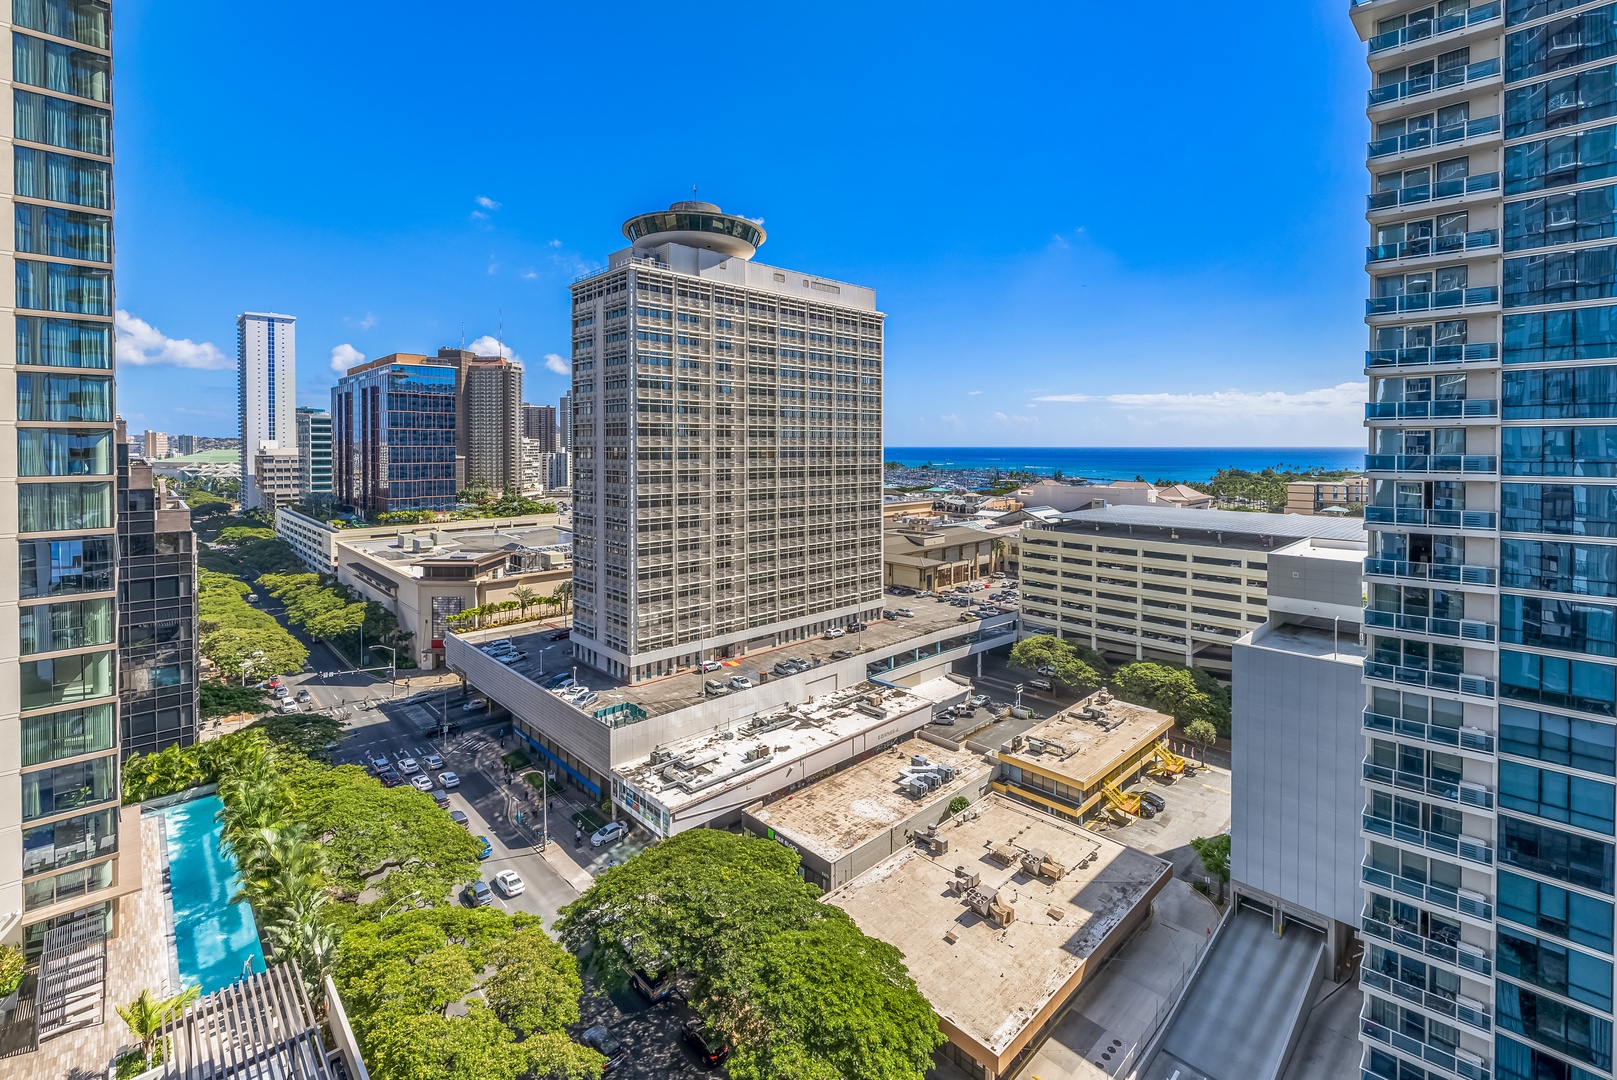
(134, 963)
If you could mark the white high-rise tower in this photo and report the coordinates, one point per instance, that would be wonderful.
(266, 395)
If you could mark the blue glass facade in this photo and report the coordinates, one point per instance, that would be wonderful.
(1494, 472)
(393, 437)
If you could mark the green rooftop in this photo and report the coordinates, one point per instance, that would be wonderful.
(203, 457)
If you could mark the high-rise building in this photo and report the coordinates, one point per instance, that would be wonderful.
(564, 422)
(60, 822)
(314, 452)
(488, 419)
(266, 391)
(393, 435)
(155, 445)
(727, 427)
(184, 444)
(1489, 863)
(539, 423)
(276, 475)
(157, 614)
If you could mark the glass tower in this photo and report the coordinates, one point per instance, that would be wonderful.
(58, 542)
(1491, 626)
(393, 435)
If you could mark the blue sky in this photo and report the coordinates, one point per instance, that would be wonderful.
(1089, 224)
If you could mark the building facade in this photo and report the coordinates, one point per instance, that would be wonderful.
(314, 452)
(60, 822)
(564, 422)
(276, 476)
(154, 445)
(393, 435)
(266, 391)
(1489, 849)
(539, 422)
(1309, 497)
(488, 419)
(157, 613)
(1156, 582)
(727, 431)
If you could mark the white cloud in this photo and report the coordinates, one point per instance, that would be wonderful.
(1002, 418)
(489, 345)
(529, 275)
(558, 364)
(1329, 416)
(973, 393)
(140, 344)
(555, 243)
(367, 322)
(1344, 398)
(345, 356)
(952, 419)
(478, 215)
(487, 203)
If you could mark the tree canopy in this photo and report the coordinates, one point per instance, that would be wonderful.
(732, 916)
(232, 631)
(1043, 651)
(1215, 854)
(511, 989)
(1186, 694)
(327, 609)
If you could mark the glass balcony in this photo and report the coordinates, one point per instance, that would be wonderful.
(1447, 408)
(1450, 573)
(1429, 84)
(1472, 1013)
(1447, 790)
(1455, 954)
(1437, 519)
(1447, 135)
(1431, 463)
(1425, 193)
(1469, 848)
(1463, 901)
(1474, 685)
(1424, 356)
(1465, 738)
(1430, 28)
(1463, 629)
(1478, 240)
(1433, 1054)
(1445, 300)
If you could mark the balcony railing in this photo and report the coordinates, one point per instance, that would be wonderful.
(1452, 573)
(1430, 28)
(1437, 519)
(1436, 1055)
(1474, 685)
(1448, 790)
(1436, 895)
(1440, 354)
(1472, 1013)
(1438, 80)
(1466, 847)
(1478, 240)
(1467, 957)
(1431, 463)
(1416, 194)
(1444, 300)
(1462, 629)
(1449, 135)
(1444, 409)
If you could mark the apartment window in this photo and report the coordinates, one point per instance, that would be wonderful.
(1555, 854)
(76, 290)
(1561, 1027)
(1550, 909)
(58, 67)
(63, 507)
(84, 21)
(70, 624)
(1555, 796)
(41, 174)
(63, 234)
(1555, 968)
(1564, 509)
(70, 398)
(1565, 43)
(50, 452)
(47, 848)
(1562, 102)
(64, 567)
(1516, 1061)
(66, 124)
(1560, 451)
(65, 680)
(69, 787)
(1558, 682)
(1577, 743)
(42, 892)
(1583, 393)
(57, 735)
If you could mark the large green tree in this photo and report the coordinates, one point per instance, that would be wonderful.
(1186, 694)
(1045, 651)
(465, 995)
(733, 918)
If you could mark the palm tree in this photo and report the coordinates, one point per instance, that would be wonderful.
(564, 596)
(524, 596)
(301, 929)
(147, 1014)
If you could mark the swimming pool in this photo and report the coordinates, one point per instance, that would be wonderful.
(214, 940)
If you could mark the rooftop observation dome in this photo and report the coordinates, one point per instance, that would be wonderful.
(696, 225)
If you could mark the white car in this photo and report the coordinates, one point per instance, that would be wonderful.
(433, 761)
(611, 832)
(510, 882)
(448, 780)
(740, 682)
(708, 665)
(834, 633)
(408, 766)
(421, 782)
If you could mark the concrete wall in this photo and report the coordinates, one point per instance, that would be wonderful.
(1296, 801)
(580, 733)
(1303, 582)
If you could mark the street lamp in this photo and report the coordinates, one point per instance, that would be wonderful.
(393, 665)
(247, 665)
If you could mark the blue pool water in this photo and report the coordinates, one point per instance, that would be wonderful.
(213, 938)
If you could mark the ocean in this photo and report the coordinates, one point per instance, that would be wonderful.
(1181, 464)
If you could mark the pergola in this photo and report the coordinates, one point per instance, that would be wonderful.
(261, 1026)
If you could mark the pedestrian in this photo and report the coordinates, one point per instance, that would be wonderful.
(578, 837)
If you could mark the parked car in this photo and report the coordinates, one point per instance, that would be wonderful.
(510, 883)
(408, 766)
(710, 1047)
(740, 682)
(304, 696)
(978, 701)
(610, 833)
(508, 658)
(709, 665)
(563, 634)
(1155, 801)
(905, 613)
(559, 679)
(441, 797)
(389, 778)
(585, 700)
(889, 614)
(715, 689)
(856, 628)
(475, 704)
(600, 1039)
(834, 633)
(944, 717)
(840, 654)
(968, 616)
(960, 601)
(1040, 684)
(478, 894)
(487, 849)
(421, 782)
(459, 818)
(448, 780)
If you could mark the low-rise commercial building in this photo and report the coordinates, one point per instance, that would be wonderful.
(848, 822)
(931, 557)
(1156, 582)
(277, 477)
(1309, 497)
(1002, 913)
(314, 540)
(1076, 762)
(1068, 497)
(425, 577)
(200, 465)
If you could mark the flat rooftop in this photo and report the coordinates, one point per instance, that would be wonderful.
(1312, 641)
(1085, 748)
(694, 770)
(685, 689)
(1215, 528)
(992, 981)
(847, 809)
(482, 542)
